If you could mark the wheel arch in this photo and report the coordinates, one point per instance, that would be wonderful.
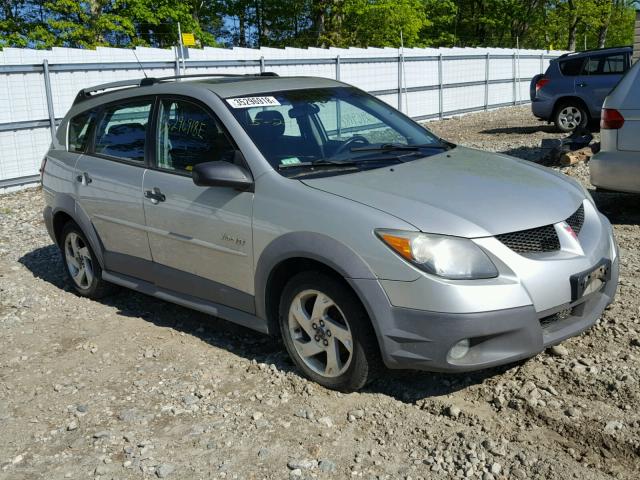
(296, 252)
(568, 99)
(65, 209)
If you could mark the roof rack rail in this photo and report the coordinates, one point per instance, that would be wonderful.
(564, 55)
(86, 93)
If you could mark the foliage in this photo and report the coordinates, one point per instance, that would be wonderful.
(376, 23)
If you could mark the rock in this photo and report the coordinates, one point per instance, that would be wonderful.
(190, 400)
(164, 470)
(305, 464)
(263, 452)
(73, 425)
(559, 351)
(354, 415)
(101, 470)
(326, 421)
(81, 408)
(102, 434)
(256, 415)
(496, 468)
(613, 425)
(327, 466)
(16, 460)
(572, 412)
(295, 473)
(453, 411)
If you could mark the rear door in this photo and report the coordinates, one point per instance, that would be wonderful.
(109, 185)
(600, 74)
(200, 237)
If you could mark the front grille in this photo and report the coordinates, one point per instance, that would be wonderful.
(541, 239)
(576, 220)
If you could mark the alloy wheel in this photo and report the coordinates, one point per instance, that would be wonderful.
(570, 117)
(78, 259)
(320, 333)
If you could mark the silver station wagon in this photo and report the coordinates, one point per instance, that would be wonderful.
(308, 209)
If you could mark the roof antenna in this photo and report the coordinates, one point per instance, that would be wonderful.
(140, 64)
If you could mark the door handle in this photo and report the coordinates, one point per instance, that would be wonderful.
(84, 178)
(155, 195)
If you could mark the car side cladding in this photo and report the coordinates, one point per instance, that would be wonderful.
(304, 251)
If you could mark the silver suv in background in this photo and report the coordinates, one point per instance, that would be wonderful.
(617, 165)
(308, 209)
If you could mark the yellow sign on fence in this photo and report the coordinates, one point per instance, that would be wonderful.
(188, 40)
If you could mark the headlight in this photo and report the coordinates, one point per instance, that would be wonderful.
(454, 258)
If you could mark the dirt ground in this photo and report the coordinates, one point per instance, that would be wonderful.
(134, 387)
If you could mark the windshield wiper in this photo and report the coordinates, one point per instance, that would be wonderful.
(317, 163)
(390, 147)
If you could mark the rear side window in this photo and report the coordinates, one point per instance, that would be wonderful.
(606, 65)
(571, 68)
(122, 130)
(79, 128)
(188, 135)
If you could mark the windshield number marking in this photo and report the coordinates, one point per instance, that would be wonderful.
(249, 102)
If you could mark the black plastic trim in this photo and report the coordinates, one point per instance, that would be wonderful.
(179, 281)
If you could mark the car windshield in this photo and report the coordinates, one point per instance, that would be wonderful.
(330, 131)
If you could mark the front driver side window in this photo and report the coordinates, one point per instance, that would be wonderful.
(189, 135)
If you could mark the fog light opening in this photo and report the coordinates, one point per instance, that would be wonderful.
(460, 349)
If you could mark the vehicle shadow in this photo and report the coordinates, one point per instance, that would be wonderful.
(406, 386)
(619, 208)
(523, 130)
(532, 154)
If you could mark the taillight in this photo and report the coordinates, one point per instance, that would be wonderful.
(541, 83)
(611, 119)
(42, 165)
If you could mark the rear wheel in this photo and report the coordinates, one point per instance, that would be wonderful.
(327, 332)
(569, 116)
(81, 266)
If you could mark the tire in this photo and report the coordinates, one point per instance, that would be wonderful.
(570, 115)
(340, 322)
(81, 266)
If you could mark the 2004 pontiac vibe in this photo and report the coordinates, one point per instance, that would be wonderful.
(308, 209)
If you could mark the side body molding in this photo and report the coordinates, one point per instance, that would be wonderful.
(312, 246)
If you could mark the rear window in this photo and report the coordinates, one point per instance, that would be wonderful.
(571, 68)
(79, 127)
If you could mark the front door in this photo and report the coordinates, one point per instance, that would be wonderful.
(109, 182)
(200, 237)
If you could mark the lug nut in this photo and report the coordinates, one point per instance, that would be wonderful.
(328, 333)
(321, 323)
(317, 337)
(325, 343)
(314, 326)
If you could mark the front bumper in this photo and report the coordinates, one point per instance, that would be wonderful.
(421, 340)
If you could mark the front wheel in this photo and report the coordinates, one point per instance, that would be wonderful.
(327, 332)
(570, 116)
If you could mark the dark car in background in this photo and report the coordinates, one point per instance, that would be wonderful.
(572, 90)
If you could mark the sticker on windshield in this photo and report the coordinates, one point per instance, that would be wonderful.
(248, 102)
(290, 161)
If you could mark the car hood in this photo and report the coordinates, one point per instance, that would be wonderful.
(462, 192)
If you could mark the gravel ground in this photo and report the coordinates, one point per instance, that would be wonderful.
(133, 387)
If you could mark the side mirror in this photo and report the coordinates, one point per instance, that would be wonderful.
(222, 174)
